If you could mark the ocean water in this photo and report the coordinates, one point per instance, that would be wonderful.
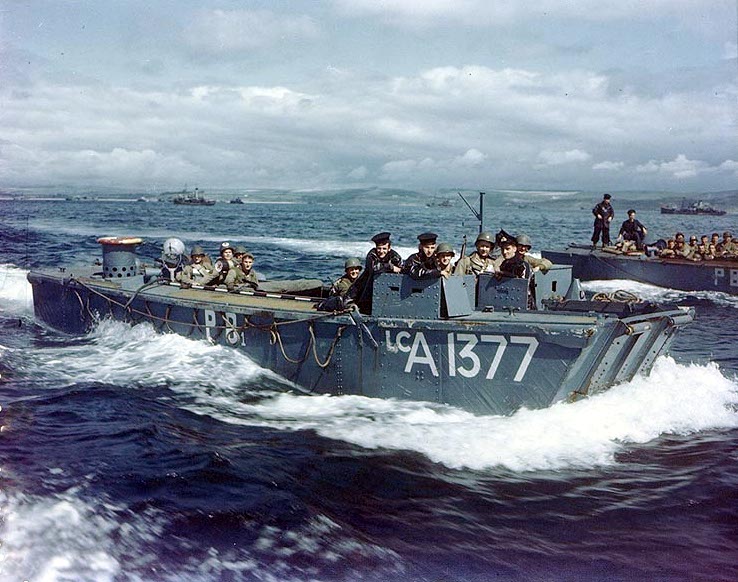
(130, 455)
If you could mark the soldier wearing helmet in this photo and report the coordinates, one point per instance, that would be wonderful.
(351, 268)
(197, 271)
(480, 261)
(245, 274)
(444, 255)
(523, 246)
(727, 246)
(238, 252)
(224, 271)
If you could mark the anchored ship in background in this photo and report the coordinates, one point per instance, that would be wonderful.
(488, 345)
(692, 208)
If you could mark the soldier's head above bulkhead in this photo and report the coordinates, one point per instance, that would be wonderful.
(247, 261)
(197, 254)
(679, 237)
(427, 243)
(226, 251)
(352, 267)
(485, 243)
(606, 199)
(523, 243)
(444, 254)
(382, 243)
(508, 248)
(238, 252)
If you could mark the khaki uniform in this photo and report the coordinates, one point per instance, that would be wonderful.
(473, 264)
(730, 248)
(542, 264)
(692, 253)
(341, 286)
(195, 274)
(227, 278)
(246, 279)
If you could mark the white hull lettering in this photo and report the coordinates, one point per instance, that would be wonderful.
(464, 352)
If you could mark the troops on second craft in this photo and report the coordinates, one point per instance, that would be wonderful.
(481, 260)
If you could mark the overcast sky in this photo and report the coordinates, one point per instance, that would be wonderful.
(538, 94)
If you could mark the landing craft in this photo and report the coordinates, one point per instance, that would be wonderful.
(486, 345)
(673, 273)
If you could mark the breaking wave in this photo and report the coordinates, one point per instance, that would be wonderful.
(675, 399)
(16, 295)
(649, 292)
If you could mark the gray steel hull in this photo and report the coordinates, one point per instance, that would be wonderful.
(486, 363)
(591, 265)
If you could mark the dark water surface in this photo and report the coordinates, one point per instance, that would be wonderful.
(127, 455)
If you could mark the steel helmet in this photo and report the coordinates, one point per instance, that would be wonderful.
(352, 262)
(225, 246)
(197, 250)
(485, 237)
(172, 247)
(445, 249)
(239, 250)
(524, 240)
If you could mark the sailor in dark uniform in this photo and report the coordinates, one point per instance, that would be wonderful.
(603, 214)
(381, 259)
(422, 265)
(632, 229)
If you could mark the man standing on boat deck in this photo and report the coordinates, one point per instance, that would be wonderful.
(632, 229)
(422, 265)
(603, 214)
(480, 261)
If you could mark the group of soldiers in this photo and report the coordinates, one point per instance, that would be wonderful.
(233, 269)
(433, 260)
(705, 249)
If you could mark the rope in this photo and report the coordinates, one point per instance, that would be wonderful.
(327, 361)
(273, 328)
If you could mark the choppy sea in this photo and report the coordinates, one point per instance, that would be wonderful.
(129, 455)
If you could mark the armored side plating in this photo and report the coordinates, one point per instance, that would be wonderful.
(481, 344)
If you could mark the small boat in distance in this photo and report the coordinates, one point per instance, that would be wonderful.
(192, 199)
(692, 208)
(237, 201)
